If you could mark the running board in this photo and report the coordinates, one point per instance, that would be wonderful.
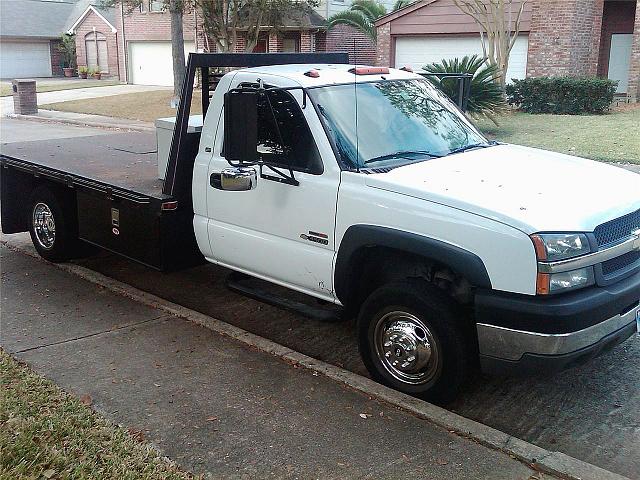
(265, 292)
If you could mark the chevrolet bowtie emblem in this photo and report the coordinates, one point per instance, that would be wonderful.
(636, 242)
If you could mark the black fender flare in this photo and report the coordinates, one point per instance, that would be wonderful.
(356, 237)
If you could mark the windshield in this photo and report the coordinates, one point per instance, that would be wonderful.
(398, 122)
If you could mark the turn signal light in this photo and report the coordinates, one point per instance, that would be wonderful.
(543, 284)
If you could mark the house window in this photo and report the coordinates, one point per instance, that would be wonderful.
(96, 48)
(156, 5)
(291, 44)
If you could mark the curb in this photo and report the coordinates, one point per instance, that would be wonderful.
(81, 123)
(553, 463)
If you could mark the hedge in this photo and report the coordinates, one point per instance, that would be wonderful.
(562, 95)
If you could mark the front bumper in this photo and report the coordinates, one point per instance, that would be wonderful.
(518, 334)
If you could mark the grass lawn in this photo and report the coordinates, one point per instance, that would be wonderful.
(613, 137)
(46, 433)
(44, 86)
(145, 106)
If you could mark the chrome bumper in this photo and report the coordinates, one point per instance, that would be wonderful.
(511, 345)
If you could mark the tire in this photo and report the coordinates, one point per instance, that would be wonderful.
(412, 339)
(52, 226)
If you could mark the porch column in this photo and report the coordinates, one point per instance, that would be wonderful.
(634, 68)
(306, 41)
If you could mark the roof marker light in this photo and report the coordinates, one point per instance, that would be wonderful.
(312, 73)
(369, 70)
(407, 68)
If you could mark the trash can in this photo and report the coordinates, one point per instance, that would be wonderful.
(25, 98)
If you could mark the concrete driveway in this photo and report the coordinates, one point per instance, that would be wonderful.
(6, 103)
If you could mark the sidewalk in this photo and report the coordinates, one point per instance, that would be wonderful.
(212, 404)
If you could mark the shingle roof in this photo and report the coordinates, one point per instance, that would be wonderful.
(43, 18)
(34, 18)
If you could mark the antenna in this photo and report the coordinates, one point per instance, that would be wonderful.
(355, 91)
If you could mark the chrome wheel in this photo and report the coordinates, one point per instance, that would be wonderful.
(44, 226)
(406, 348)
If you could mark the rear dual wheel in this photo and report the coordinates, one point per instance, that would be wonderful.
(53, 226)
(412, 339)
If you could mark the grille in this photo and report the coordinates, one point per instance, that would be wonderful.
(614, 265)
(618, 229)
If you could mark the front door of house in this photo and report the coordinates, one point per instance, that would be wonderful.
(620, 60)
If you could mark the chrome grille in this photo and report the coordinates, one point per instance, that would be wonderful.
(618, 229)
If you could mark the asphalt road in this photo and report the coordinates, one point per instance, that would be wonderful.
(590, 412)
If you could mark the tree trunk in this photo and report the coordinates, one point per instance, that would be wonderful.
(177, 47)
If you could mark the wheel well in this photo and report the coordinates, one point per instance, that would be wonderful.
(372, 267)
(17, 188)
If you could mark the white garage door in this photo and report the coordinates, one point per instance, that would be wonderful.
(24, 59)
(419, 51)
(150, 63)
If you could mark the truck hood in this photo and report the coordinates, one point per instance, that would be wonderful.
(530, 189)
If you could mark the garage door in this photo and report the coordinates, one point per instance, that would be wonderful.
(24, 59)
(419, 51)
(150, 63)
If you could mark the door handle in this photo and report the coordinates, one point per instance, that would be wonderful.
(215, 180)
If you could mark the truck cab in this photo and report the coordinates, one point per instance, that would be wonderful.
(367, 188)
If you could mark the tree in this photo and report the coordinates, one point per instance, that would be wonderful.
(223, 20)
(362, 15)
(499, 28)
(67, 49)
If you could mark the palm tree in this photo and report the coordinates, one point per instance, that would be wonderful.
(486, 98)
(362, 15)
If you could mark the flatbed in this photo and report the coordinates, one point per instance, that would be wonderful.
(124, 161)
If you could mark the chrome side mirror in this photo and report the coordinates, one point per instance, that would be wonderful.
(238, 179)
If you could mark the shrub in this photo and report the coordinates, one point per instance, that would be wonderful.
(486, 98)
(562, 95)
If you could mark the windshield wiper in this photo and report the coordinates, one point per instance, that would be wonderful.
(402, 154)
(472, 146)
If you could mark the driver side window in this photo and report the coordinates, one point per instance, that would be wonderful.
(284, 138)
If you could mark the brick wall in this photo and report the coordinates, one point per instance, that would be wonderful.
(565, 37)
(56, 58)
(359, 46)
(87, 26)
(384, 46)
(634, 69)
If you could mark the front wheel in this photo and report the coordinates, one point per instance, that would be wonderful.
(411, 339)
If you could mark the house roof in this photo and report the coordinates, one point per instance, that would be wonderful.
(34, 18)
(83, 7)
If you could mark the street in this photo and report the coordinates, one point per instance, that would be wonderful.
(589, 412)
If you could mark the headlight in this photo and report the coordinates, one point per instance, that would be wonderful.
(554, 247)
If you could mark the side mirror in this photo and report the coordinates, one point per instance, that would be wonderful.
(238, 179)
(241, 126)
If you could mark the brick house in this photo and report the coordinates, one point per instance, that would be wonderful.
(135, 46)
(557, 37)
